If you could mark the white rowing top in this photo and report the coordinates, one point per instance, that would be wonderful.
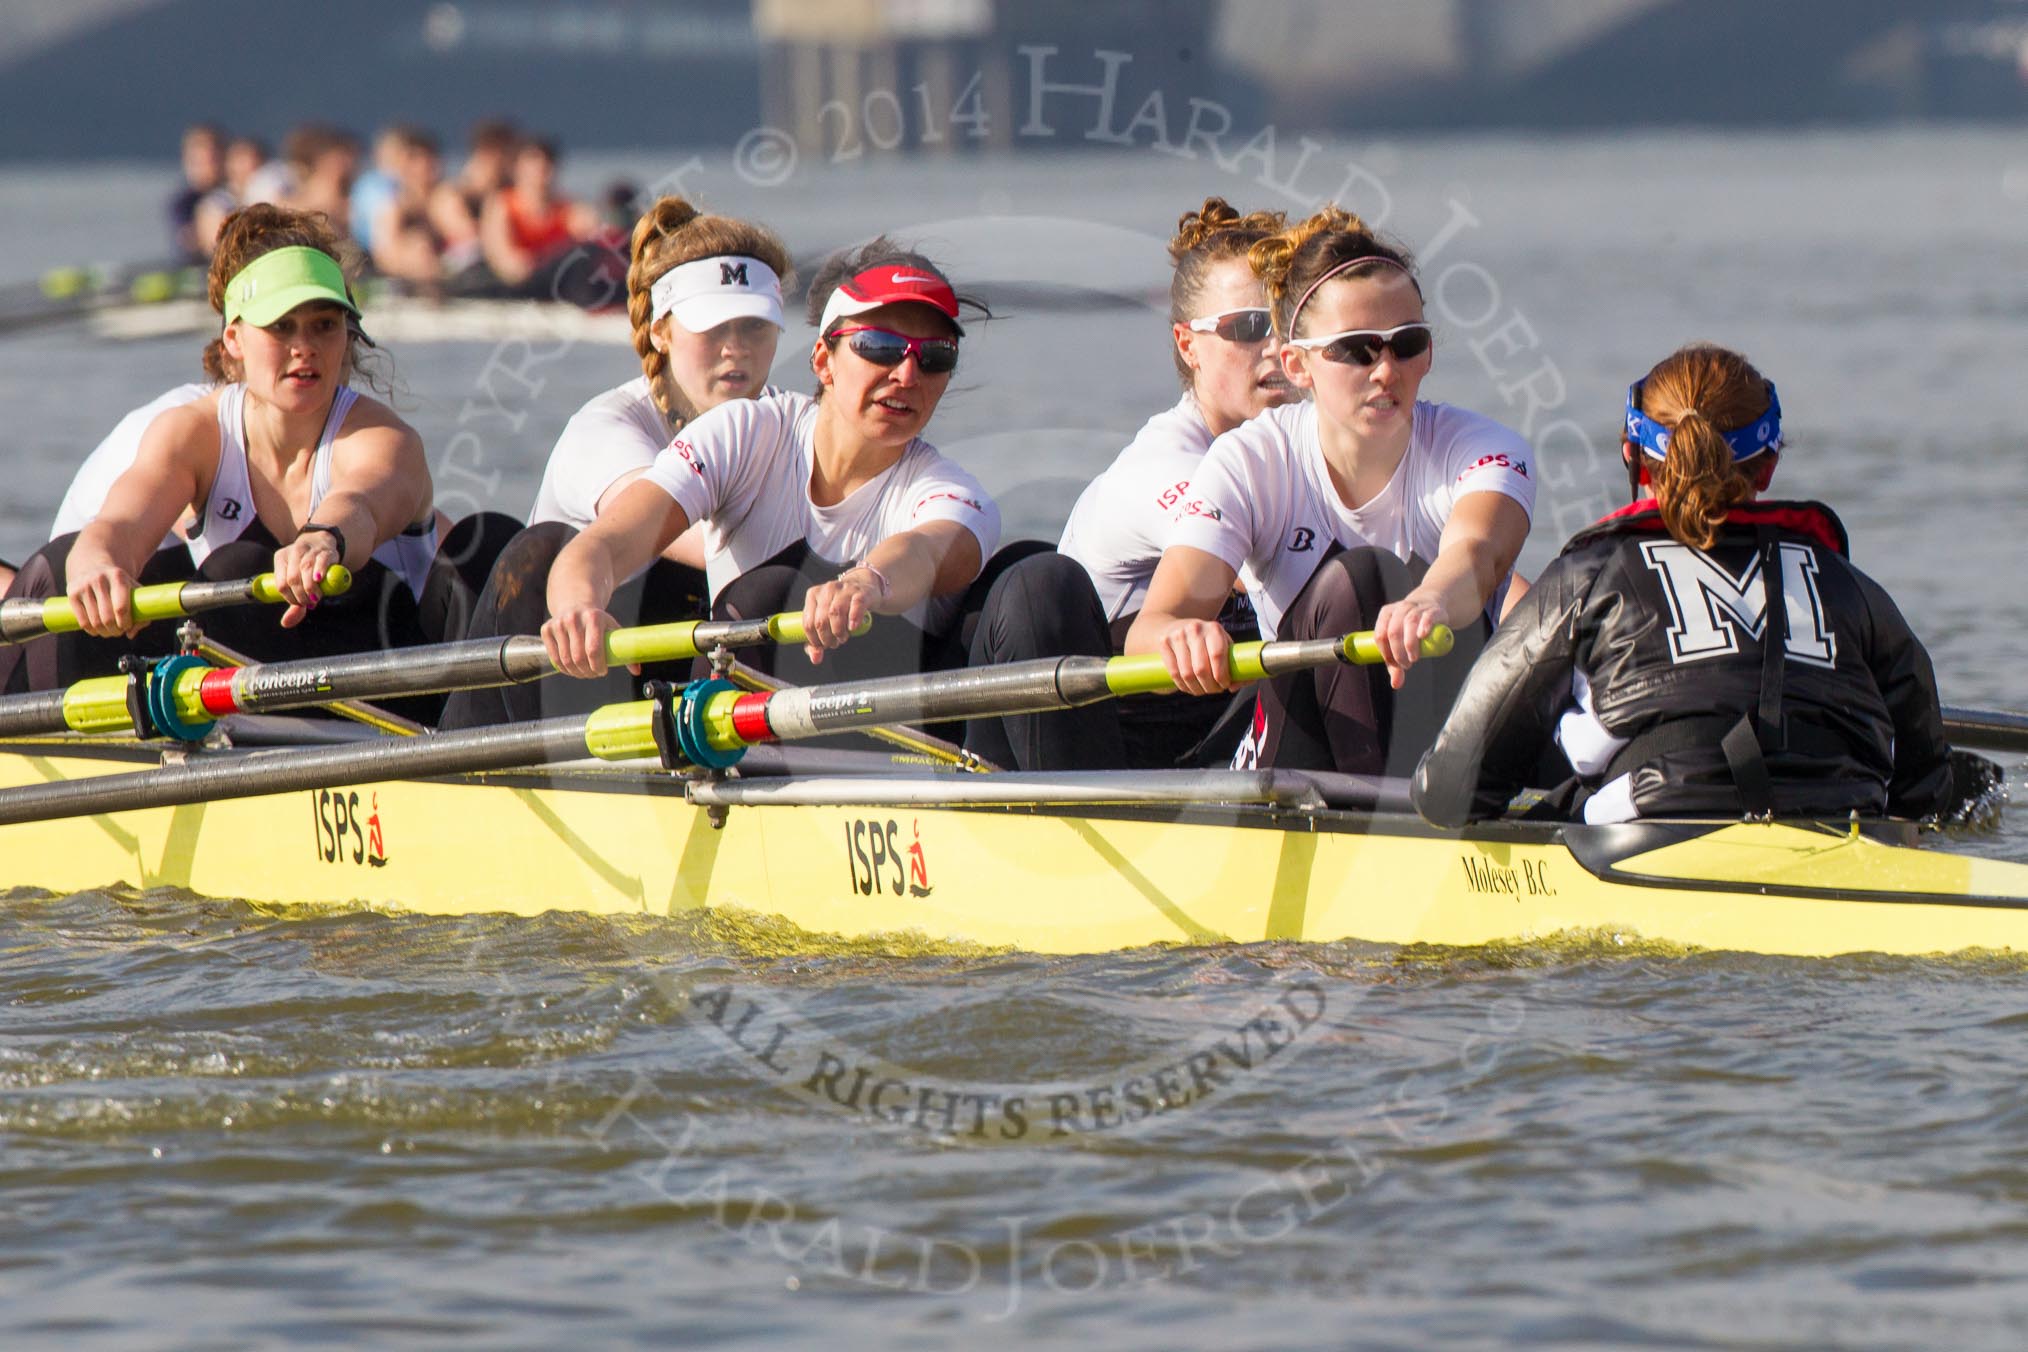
(615, 436)
(111, 458)
(1263, 500)
(1121, 520)
(743, 468)
(229, 509)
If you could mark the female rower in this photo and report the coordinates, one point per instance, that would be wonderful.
(1641, 654)
(95, 477)
(286, 468)
(113, 457)
(1359, 508)
(832, 504)
(1084, 598)
(705, 296)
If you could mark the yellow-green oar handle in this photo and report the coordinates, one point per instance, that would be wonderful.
(787, 627)
(174, 600)
(337, 581)
(689, 638)
(1144, 673)
(1362, 651)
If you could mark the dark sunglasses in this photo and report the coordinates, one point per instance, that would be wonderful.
(1362, 347)
(1250, 325)
(885, 347)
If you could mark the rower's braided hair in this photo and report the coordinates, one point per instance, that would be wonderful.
(259, 229)
(669, 234)
(1291, 261)
(1699, 393)
(1204, 238)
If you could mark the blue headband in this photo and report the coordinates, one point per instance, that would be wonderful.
(1762, 434)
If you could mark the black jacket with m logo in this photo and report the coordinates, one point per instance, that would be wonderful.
(1666, 642)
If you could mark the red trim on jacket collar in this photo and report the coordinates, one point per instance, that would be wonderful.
(1813, 519)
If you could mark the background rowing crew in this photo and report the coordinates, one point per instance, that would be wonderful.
(497, 226)
(1298, 488)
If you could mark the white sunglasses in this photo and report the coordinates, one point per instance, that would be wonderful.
(1247, 325)
(1362, 347)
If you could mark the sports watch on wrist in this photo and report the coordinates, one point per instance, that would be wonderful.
(337, 536)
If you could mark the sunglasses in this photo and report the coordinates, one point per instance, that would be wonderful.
(1362, 347)
(1250, 325)
(884, 347)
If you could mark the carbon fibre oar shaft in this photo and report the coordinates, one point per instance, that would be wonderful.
(199, 695)
(25, 619)
(1993, 729)
(735, 720)
(643, 728)
(264, 772)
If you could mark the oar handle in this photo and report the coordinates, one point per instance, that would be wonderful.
(1145, 673)
(689, 638)
(23, 619)
(1362, 650)
(337, 581)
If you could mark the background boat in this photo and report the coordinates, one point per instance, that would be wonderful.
(394, 319)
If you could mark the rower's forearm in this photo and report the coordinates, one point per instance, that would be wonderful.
(353, 515)
(1462, 580)
(96, 549)
(910, 568)
(581, 578)
(1144, 635)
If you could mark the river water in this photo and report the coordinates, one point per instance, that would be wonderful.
(222, 1126)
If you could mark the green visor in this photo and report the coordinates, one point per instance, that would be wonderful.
(280, 280)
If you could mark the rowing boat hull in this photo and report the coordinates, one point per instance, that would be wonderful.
(617, 840)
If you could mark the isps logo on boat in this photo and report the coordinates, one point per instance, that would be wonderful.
(347, 831)
(883, 859)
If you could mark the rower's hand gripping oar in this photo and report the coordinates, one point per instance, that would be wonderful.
(183, 696)
(712, 718)
(22, 619)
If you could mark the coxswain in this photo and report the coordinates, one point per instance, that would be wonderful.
(1703, 651)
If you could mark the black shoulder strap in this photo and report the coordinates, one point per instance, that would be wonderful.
(1774, 643)
(1747, 740)
(1747, 743)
